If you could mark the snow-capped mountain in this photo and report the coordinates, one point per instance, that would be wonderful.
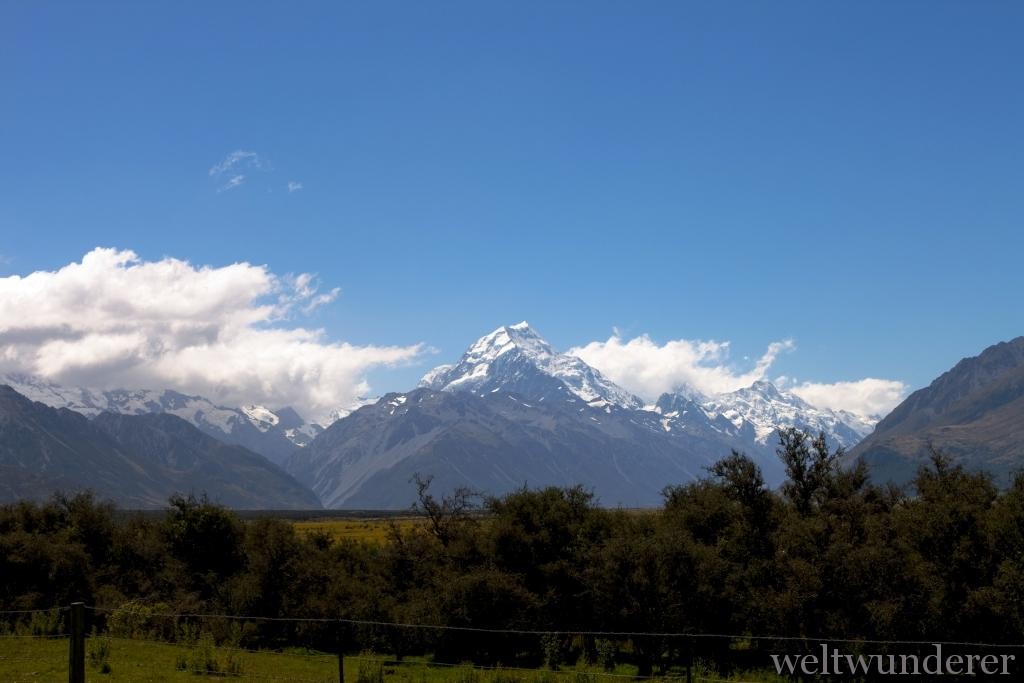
(272, 434)
(757, 412)
(512, 410)
(348, 409)
(515, 358)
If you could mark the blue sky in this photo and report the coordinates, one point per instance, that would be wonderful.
(846, 175)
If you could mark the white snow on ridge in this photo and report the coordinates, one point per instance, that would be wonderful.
(199, 411)
(485, 360)
(344, 411)
(766, 409)
(432, 376)
(514, 354)
(263, 418)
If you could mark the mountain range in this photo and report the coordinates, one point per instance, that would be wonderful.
(273, 434)
(512, 411)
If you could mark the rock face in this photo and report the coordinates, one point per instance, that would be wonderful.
(136, 460)
(494, 442)
(513, 411)
(973, 412)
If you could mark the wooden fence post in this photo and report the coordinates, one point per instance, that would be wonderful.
(341, 653)
(689, 660)
(76, 648)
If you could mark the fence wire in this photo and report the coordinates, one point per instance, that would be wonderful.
(34, 611)
(241, 659)
(561, 632)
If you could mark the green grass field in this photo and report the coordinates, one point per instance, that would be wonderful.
(142, 662)
(25, 660)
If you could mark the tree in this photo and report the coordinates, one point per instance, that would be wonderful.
(809, 465)
(207, 539)
(447, 516)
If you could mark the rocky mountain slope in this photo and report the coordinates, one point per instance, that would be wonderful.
(494, 442)
(974, 412)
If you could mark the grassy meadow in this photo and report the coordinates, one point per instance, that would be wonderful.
(114, 660)
(367, 530)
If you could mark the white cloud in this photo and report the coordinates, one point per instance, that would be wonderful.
(233, 182)
(231, 172)
(240, 158)
(114, 320)
(649, 369)
(303, 293)
(868, 396)
(294, 186)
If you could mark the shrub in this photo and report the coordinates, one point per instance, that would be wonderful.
(203, 658)
(607, 650)
(136, 619)
(370, 672)
(99, 653)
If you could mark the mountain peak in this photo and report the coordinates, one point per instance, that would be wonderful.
(764, 387)
(506, 338)
(515, 358)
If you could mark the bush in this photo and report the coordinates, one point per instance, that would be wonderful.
(554, 647)
(136, 619)
(204, 658)
(370, 672)
(607, 650)
(46, 623)
(99, 653)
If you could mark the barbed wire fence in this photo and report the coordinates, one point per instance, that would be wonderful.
(19, 629)
(212, 644)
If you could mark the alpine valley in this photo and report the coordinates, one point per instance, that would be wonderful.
(511, 412)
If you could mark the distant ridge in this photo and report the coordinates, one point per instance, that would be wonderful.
(274, 434)
(137, 461)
